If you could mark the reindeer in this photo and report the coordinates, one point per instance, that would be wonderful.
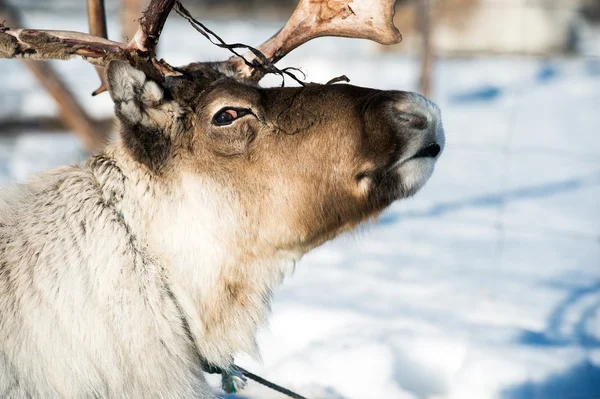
(120, 277)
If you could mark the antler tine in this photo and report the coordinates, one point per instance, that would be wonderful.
(364, 19)
(51, 44)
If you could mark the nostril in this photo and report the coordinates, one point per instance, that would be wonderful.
(412, 120)
(430, 151)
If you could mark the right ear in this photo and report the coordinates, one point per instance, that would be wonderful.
(146, 116)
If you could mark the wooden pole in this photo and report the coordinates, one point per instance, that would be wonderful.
(97, 18)
(97, 24)
(427, 53)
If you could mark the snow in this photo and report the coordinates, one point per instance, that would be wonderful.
(486, 284)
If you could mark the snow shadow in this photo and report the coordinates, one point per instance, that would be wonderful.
(416, 379)
(569, 324)
(593, 67)
(497, 199)
(484, 93)
(582, 381)
(546, 73)
(584, 304)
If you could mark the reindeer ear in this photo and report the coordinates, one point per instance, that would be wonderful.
(132, 91)
(145, 116)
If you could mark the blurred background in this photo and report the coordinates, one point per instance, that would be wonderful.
(486, 284)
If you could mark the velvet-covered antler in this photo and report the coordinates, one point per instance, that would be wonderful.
(367, 19)
(363, 19)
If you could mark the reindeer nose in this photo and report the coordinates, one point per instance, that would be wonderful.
(420, 119)
(430, 151)
(412, 120)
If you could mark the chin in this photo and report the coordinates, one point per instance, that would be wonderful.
(413, 175)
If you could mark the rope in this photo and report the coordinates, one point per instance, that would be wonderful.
(232, 382)
(268, 384)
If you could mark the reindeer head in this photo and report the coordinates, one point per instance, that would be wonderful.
(307, 162)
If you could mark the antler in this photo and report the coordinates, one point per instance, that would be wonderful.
(50, 44)
(363, 19)
(367, 19)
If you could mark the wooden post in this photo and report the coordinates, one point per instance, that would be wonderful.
(425, 9)
(97, 18)
(97, 24)
(71, 111)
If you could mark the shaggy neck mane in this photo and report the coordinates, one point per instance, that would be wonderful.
(197, 230)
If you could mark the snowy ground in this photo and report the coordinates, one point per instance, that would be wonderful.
(484, 285)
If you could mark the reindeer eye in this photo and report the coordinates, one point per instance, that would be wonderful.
(227, 115)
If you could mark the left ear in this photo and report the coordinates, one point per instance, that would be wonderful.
(148, 117)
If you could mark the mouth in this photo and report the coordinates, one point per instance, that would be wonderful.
(429, 151)
(414, 171)
(404, 177)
